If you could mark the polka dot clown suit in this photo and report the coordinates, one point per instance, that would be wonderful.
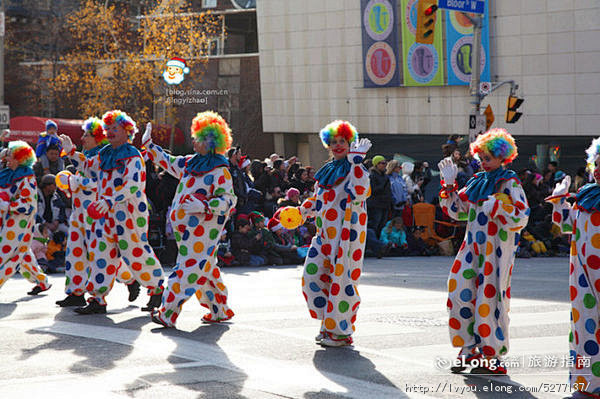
(18, 206)
(582, 221)
(334, 262)
(120, 233)
(203, 201)
(495, 207)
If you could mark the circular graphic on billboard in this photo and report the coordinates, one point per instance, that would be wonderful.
(423, 62)
(460, 58)
(380, 63)
(411, 15)
(378, 19)
(461, 23)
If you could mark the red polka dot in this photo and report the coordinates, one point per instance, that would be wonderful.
(363, 219)
(355, 274)
(488, 268)
(488, 351)
(573, 292)
(74, 236)
(345, 234)
(583, 249)
(326, 249)
(111, 270)
(357, 255)
(484, 330)
(454, 323)
(6, 249)
(508, 293)
(330, 196)
(216, 273)
(597, 285)
(199, 231)
(449, 304)
(8, 271)
(77, 252)
(489, 291)
(313, 314)
(456, 266)
(190, 262)
(556, 217)
(595, 219)
(331, 214)
(113, 253)
(593, 261)
(329, 306)
(136, 266)
(202, 280)
(137, 252)
(355, 306)
(335, 288)
(77, 280)
(90, 287)
(492, 229)
(360, 190)
(221, 180)
(170, 297)
(129, 224)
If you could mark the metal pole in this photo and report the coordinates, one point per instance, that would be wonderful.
(2, 52)
(476, 63)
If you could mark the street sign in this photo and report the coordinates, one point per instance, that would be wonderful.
(489, 117)
(476, 126)
(4, 116)
(472, 6)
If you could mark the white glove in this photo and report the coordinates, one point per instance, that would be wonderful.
(147, 137)
(562, 188)
(193, 205)
(448, 170)
(488, 205)
(102, 206)
(358, 150)
(67, 144)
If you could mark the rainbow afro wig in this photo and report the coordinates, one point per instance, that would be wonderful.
(22, 152)
(497, 143)
(210, 128)
(124, 120)
(94, 127)
(338, 128)
(592, 152)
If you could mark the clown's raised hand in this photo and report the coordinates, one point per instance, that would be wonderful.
(147, 137)
(358, 150)
(67, 144)
(562, 188)
(448, 170)
(194, 205)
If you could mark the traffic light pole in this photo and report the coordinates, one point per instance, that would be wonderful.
(477, 22)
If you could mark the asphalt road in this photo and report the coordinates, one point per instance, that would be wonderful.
(268, 351)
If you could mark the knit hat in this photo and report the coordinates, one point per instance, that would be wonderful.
(244, 162)
(377, 159)
(179, 63)
(50, 123)
(291, 191)
(256, 217)
(274, 225)
(559, 175)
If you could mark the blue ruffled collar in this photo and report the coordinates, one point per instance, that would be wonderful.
(8, 177)
(199, 165)
(588, 198)
(333, 172)
(94, 151)
(484, 184)
(114, 158)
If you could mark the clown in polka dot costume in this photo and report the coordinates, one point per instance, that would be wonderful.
(119, 232)
(495, 207)
(582, 220)
(18, 205)
(203, 201)
(83, 192)
(334, 262)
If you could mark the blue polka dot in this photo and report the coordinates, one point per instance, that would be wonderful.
(499, 334)
(319, 302)
(181, 162)
(482, 219)
(318, 205)
(186, 235)
(477, 338)
(99, 278)
(349, 290)
(210, 249)
(480, 279)
(101, 263)
(343, 324)
(314, 287)
(469, 238)
(120, 215)
(498, 252)
(466, 313)
(221, 220)
(215, 309)
(193, 221)
(480, 237)
(343, 204)
(353, 235)
(210, 295)
(208, 179)
(469, 257)
(591, 348)
(453, 207)
(497, 314)
(354, 218)
(142, 206)
(582, 280)
(590, 326)
(466, 295)
(156, 273)
(120, 230)
(118, 182)
(312, 252)
(190, 291)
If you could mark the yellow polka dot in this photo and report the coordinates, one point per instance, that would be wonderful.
(221, 286)
(327, 265)
(176, 288)
(198, 247)
(362, 237)
(1, 281)
(226, 174)
(573, 248)
(331, 232)
(302, 281)
(581, 381)
(329, 324)
(23, 249)
(145, 276)
(10, 235)
(458, 341)
(207, 267)
(369, 191)
(134, 238)
(596, 240)
(348, 214)
(79, 266)
(585, 226)
(91, 256)
(508, 208)
(489, 248)
(451, 285)
(484, 310)
(126, 276)
(180, 214)
(339, 269)
(198, 294)
(575, 314)
(353, 327)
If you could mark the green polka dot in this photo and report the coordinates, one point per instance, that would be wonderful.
(516, 220)
(570, 336)
(471, 327)
(503, 350)
(89, 220)
(472, 215)
(577, 234)
(214, 233)
(192, 278)
(26, 274)
(503, 235)
(151, 261)
(102, 246)
(133, 190)
(123, 244)
(567, 228)
(183, 250)
(481, 260)
(311, 268)
(180, 187)
(141, 222)
(589, 301)
(343, 306)
(469, 274)
(214, 203)
(319, 222)
(177, 236)
(219, 191)
(596, 369)
(103, 289)
(168, 313)
(462, 216)
(67, 281)
(23, 224)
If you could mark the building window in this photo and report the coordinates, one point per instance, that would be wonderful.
(209, 3)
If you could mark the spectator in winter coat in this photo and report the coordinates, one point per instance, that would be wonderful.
(380, 201)
(51, 209)
(398, 186)
(393, 233)
(245, 248)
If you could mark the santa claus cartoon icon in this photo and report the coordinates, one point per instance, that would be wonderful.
(176, 69)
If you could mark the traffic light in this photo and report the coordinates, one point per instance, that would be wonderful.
(513, 103)
(426, 15)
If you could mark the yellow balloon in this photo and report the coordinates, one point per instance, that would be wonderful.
(290, 218)
(59, 178)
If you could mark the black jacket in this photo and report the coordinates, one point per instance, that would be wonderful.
(381, 191)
